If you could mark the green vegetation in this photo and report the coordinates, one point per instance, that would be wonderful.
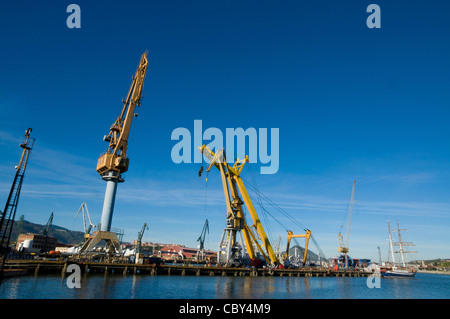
(442, 263)
(438, 263)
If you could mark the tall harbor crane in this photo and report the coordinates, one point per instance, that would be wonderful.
(44, 232)
(138, 255)
(139, 240)
(9, 212)
(201, 239)
(344, 245)
(231, 251)
(277, 248)
(87, 226)
(379, 256)
(114, 162)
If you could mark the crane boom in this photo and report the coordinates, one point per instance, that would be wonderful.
(350, 212)
(115, 158)
(344, 244)
(44, 231)
(201, 239)
(139, 241)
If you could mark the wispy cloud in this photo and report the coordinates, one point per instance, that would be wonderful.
(406, 209)
(412, 178)
(164, 194)
(329, 205)
(58, 176)
(7, 138)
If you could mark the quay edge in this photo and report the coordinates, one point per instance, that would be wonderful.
(37, 267)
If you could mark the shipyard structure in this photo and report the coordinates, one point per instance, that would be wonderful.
(244, 247)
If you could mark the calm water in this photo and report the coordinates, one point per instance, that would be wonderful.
(424, 286)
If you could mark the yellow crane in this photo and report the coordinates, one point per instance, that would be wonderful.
(307, 236)
(344, 245)
(231, 251)
(115, 158)
(114, 161)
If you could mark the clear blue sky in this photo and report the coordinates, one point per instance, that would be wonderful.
(350, 103)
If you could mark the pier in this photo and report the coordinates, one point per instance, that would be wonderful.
(38, 267)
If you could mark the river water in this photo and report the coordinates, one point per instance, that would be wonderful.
(115, 286)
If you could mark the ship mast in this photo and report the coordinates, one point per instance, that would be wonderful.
(391, 244)
(401, 244)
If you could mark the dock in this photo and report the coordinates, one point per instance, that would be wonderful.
(36, 267)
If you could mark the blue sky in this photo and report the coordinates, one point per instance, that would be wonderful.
(350, 103)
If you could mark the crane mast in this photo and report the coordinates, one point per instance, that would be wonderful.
(230, 251)
(9, 212)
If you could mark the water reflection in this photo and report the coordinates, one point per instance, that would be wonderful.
(399, 287)
(228, 289)
(344, 289)
(133, 287)
(218, 287)
(307, 285)
(262, 287)
(14, 288)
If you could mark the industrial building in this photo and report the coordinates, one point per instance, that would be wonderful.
(180, 252)
(35, 243)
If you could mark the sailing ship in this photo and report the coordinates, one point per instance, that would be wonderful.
(399, 271)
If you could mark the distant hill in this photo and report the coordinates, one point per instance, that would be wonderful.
(313, 257)
(63, 235)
